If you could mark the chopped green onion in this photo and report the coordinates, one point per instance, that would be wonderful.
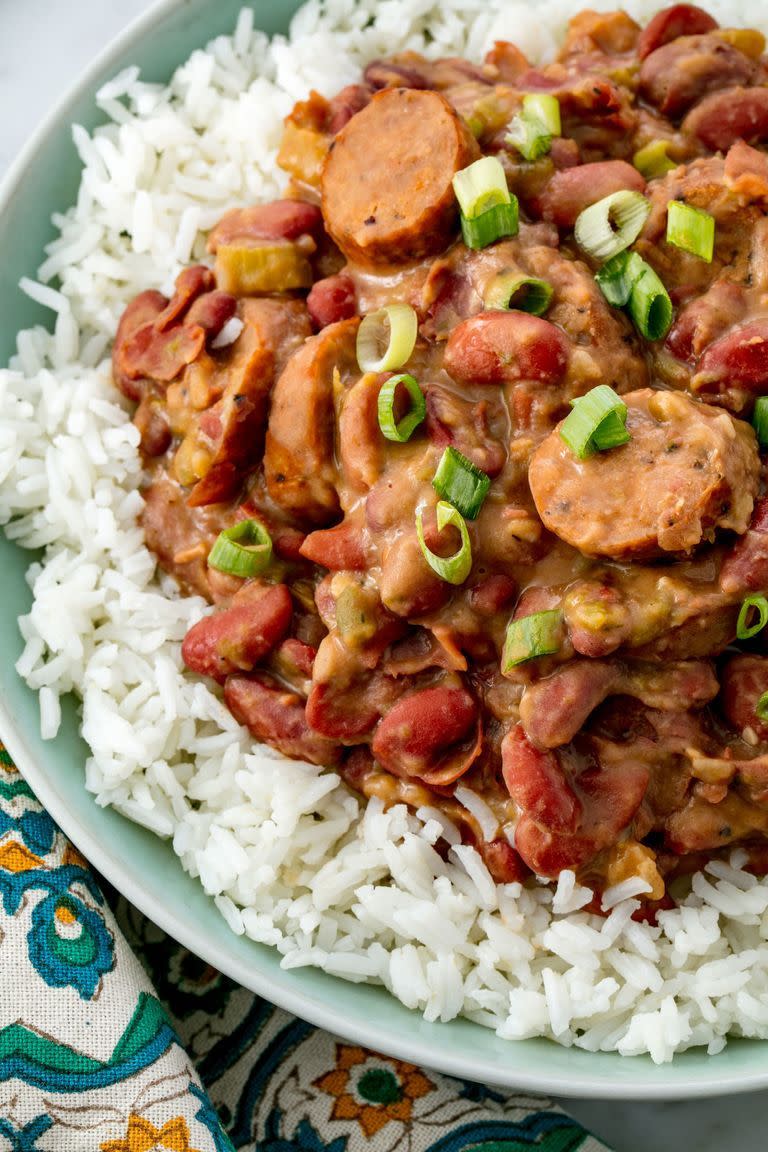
(593, 425)
(490, 226)
(618, 276)
(652, 160)
(453, 569)
(544, 108)
(401, 430)
(480, 186)
(761, 708)
(612, 224)
(760, 420)
(650, 306)
(461, 483)
(691, 229)
(386, 338)
(758, 604)
(244, 550)
(525, 293)
(539, 634)
(610, 433)
(529, 137)
(488, 209)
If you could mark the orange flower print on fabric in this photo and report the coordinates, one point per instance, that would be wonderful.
(142, 1136)
(372, 1089)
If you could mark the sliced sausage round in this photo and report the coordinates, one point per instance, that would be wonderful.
(502, 347)
(298, 458)
(687, 470)
(387, 191)
(721, 119)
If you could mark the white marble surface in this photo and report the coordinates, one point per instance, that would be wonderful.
(43, 46)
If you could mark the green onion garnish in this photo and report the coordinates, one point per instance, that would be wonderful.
(761, 708)
(618, 276)
(758, 604)
(386, 338)
(760, 420)
(652, 160)
(539, 634)
(524, 293)
(488, 209)
(244, 550)
(401, 430)
(597, 422)
(650, 306)
(544, 108)
(532, 130)
(610, 433)
(612, 224)
(480, 186)
(461, 483)
(529, 137)
(691, 229)
(453, 569)
(490, 226)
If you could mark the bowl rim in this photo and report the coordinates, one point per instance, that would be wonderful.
(700, 1083)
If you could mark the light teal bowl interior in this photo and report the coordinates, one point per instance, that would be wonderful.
(137, 863)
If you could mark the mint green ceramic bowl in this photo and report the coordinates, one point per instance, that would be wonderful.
(144, 868)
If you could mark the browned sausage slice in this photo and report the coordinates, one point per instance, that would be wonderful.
(298, 459)
(688, 469)
(387, 192)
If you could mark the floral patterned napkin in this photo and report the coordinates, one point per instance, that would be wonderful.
(113, 1038)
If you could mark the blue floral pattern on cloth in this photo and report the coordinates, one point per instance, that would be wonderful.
(91, 1059)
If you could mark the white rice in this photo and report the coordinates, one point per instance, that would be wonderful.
(290, 856)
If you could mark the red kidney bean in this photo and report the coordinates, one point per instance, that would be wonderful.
(537, 783)
(492, 594)
(744, 680)
(295, 657)
(332, 299)
(426, 735)
(160, 355)
(152, 422)
(571, 190)
(275, 715)
(499, 347)
(348, 713)
(211, 311)
(503, 862)
(745, 567)
(140, 314)
(705, 319)
(677, 20)
(238, 637)
(738, 359)
(341, 548)
(190, 283)
(343, 107)
(722, 118)
(280, 220)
